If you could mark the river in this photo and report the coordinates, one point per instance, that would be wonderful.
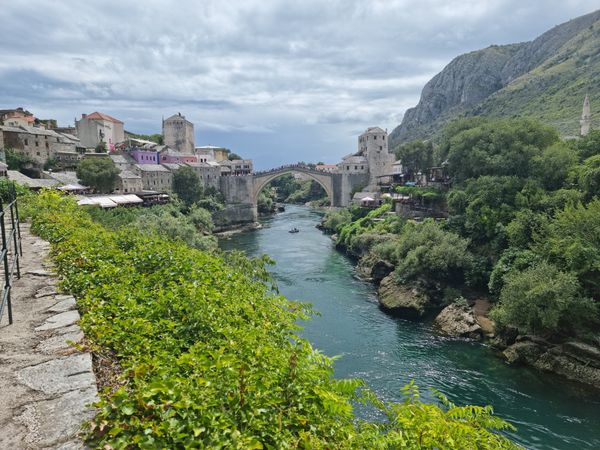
(388, 352)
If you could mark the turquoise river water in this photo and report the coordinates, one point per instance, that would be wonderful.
(388, 352)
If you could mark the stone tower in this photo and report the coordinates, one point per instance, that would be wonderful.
(178, 133)
(373, 145)
(586, 117)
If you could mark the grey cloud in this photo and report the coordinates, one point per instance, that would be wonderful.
(249, 67)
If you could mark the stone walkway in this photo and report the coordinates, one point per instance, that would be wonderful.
(46, 385)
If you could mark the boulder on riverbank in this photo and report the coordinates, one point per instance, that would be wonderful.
(574, 360)
(374, 270)
(402, 300)
(459, 321)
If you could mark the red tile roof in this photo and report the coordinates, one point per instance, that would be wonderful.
(101, 116)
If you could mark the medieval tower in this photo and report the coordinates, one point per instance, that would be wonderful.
(586, 117)
(373, 145)
(178, 134)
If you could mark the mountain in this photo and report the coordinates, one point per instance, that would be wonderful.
(546, 79)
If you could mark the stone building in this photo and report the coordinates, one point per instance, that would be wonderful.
(144, 156)
(16, 117)
(168, 155)
(209, 173)
(329, 168)
(99, 127)
(373, 145)
(128, 182)
(236, 167)
(353, 164)
(37, 143)
(211, 152)
(154, 177)
(178, 133)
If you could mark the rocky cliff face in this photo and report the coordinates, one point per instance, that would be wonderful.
(564, 62)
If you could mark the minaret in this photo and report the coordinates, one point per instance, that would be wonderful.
(586, 117)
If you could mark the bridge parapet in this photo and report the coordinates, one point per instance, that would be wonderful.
(290, 167)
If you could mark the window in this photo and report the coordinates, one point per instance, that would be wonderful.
(347, 167)
(374, 137)
(362, 167)
(47, 145)
(355, 167)
(383, 137)
(37, 144)
(37, 153)
(380, 147)
(26, 142)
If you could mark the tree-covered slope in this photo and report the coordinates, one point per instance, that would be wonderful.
(546, 78)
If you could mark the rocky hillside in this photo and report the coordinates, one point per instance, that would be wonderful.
(546, 78)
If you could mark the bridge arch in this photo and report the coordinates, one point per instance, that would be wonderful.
(261, 179)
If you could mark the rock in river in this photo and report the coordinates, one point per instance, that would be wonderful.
(459, 320)
(405, 301)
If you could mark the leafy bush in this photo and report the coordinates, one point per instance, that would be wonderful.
(427, 253)
(587, 176)
(543, 299)
(210, 357)
(573, 243)
(512, 260)
(426, 194)
(187, 185)
(99, 173)
(16, 160)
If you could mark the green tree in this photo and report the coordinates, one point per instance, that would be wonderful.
(265, 202)
(427, 253)
(16, 160)
(158, 138)
(484, 207)
(552, 166)
(232, 156)
(543, 299)
(415, 156)
(497, 147)
(187, 185)
(587, 176)
(573, 243)
(99, 173)
(588, 145)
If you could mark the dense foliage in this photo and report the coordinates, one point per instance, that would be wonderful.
(157, 137)
(290, 190)
(209, 354)
(187, 185)
(523, 226)
(99, 173)
(16, 160)
(192, 225)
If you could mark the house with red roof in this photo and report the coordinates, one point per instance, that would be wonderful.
(97, 127)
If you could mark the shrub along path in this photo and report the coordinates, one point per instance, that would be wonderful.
(45, 383)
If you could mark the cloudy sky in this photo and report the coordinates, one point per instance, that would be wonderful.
(278, 81)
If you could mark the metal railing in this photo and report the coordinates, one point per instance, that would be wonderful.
(12, 250)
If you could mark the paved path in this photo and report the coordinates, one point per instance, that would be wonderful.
(46, 385)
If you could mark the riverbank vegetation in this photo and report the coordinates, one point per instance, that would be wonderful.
(287, 189)
(522, 228)
(208, 351)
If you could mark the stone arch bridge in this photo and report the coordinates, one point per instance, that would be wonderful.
(241, 191)
(325, 179)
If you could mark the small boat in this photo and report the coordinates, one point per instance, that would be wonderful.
(294, 230)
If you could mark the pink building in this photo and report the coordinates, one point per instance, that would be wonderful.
(170, 156)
